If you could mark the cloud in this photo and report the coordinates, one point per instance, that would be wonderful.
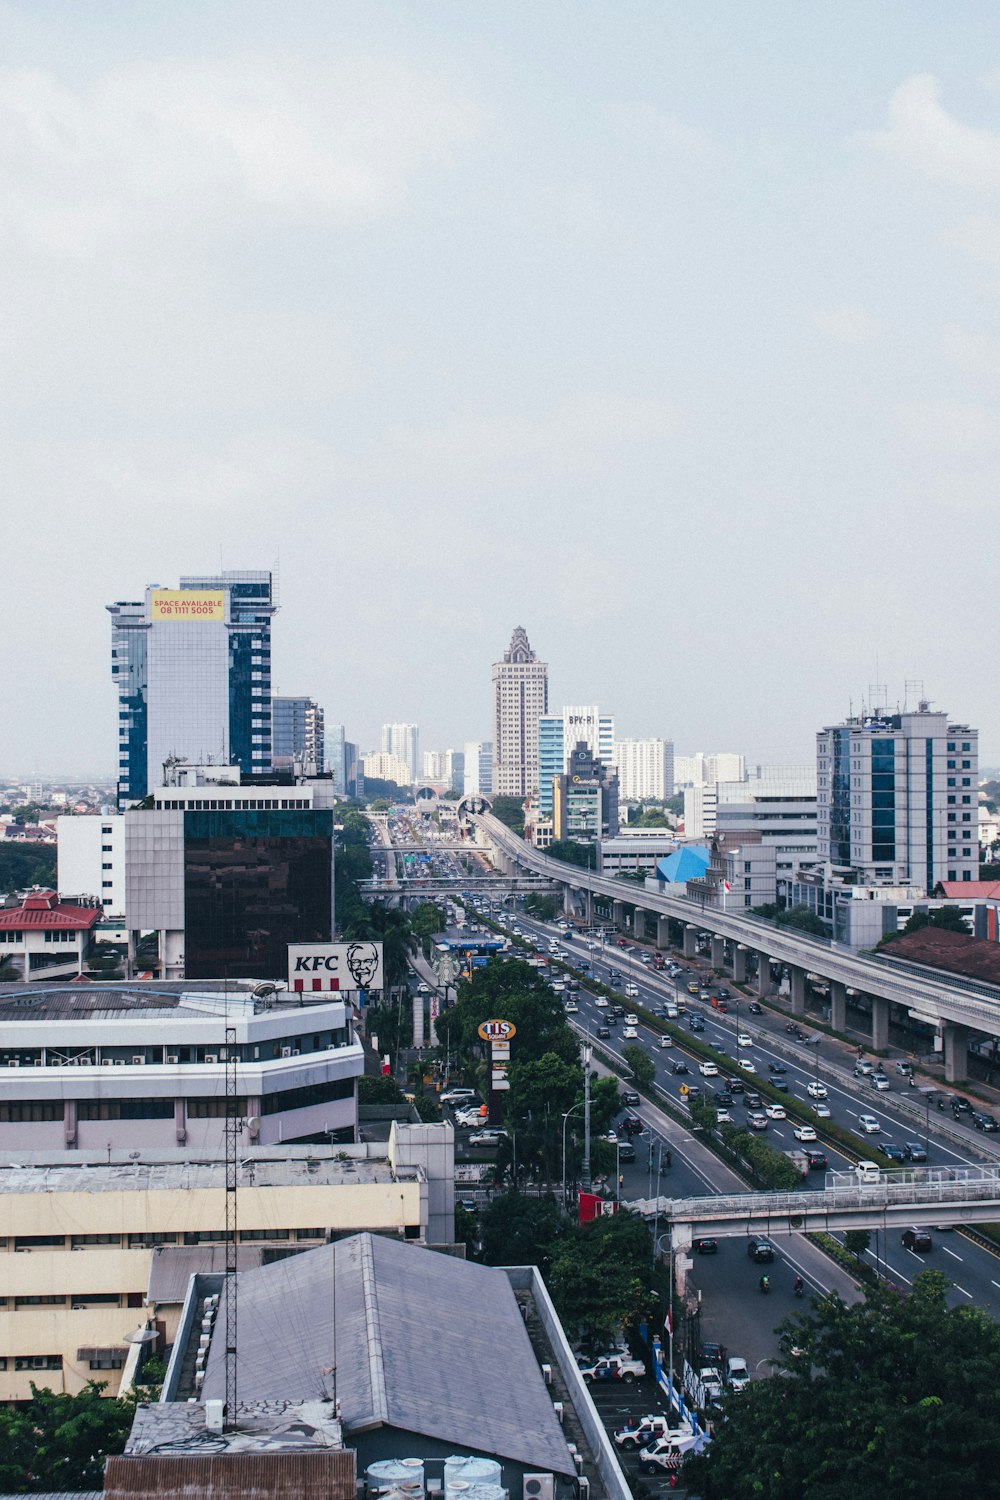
(845, 324)
(975, 354)
(652, 128)
(926, 138)
(192, 146)
(979, 237)
(947, 428)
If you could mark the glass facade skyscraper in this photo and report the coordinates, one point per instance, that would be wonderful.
(297, 734)
(193, 670)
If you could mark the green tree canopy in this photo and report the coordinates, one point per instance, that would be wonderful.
(520, 1231)
(640, 1064)
(59, 1442)
(893, 1396)
(601, 1273)
(573, 853)
(510, 810)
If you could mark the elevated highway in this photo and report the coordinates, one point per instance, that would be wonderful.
(735, 937)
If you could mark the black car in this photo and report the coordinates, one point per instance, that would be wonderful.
(632, 1125)
(917, 1239)
(892, 1151)
(760, 1249)
(706, 1246)
(781, 1084)
(961, 1106)
(629, 1096)
(679, 1067)
(626, 1151)
(696, 1024)
(915, 1151)
(755, 1008)
(776, 1068)
(751, 1098)
(724, 1096)
(735, 1085)
(603, 1032)
(817, 1158)
(714, 1354)
(985, 1122)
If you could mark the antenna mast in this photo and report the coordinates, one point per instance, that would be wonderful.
(232, 1166)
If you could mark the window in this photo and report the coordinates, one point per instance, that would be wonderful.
(952, 781)
(967, 765)
(39, 1302)
(952, 746)
(965, 800)
(38, 1362)
(951, 874)
(95, 1239)
(952, 817)
(951, 801)
(966, 745)
(952, 854)
(951, 765)
(966, 874)
(966, 817)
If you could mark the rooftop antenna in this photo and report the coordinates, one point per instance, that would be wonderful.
(232, 1218)
(914, 686)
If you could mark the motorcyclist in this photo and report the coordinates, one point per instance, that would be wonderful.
(765, 1283)
(798, 1287)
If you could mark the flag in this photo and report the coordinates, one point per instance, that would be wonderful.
(668, 1321)
(726, 887)
(386, 1065)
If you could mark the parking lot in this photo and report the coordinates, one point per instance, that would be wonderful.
(617, 1403)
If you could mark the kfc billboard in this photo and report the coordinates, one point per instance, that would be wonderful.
(334, 966)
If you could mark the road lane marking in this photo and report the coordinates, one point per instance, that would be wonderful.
(962, 1290)
(950, 1252)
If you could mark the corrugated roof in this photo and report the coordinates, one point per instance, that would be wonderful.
(415, 1340)
(952, 952)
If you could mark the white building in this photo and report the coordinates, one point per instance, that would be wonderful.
(645, 769)
(703, 770)
(477, 774)
(638, 849)
(383, 766)
(403, 741)
(91, 859)
(779, 805)
(897, 798)
(700, 803)
(520, 698)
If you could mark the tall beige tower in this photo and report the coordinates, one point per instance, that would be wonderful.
(520, 698)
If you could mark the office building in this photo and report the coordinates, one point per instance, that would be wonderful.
(445, 767)
(557, 736)
(700, 811)
(645, 769)
(221, 876)
(45, 937)
(897, 798)
(403, 741)
(520, 698)
(335, 746)
(380, 765)
(297, 735)
(585, 803)
(354, 776)
(778, 805)
(635, 851)
(192, 666)
(704, 770)
(91, 859)
(477, 768)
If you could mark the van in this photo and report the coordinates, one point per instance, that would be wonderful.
(868, 1173)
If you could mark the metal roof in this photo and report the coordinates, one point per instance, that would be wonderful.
(404, 1337)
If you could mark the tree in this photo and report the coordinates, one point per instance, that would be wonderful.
(947, 917)
(510, 810)
(894, 1395)
(59, 1442)
(378, 1088)
(425, 920)
(543, 907)
(600, 1275)
(640, 1065)
(24, 865)
(857, 1241)
(520, 1231)
(573, 853)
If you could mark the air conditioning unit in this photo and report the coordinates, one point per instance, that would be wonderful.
(139, 1058)
(118, 1062)
(583, 1487)
(578, 1460)
(296, 1052)
(538, 1487)
(560, 1411)
(15, 1062)
(86, 1062)
(173, 1057)
(547, 1374)
(286, 1051)
(211, 1057)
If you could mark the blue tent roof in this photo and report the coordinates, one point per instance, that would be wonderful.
(689, 863)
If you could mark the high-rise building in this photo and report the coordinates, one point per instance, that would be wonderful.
(558, 734)
(645, 769)
(403, 741)
(382, 765)
(336, 758)
(444, 766)
(297, 735)
(520, 698)
(585, 804)
(477, 769)
(193, 670)
(897, 798)
(704, 770)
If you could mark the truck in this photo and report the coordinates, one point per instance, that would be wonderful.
(664, 1456)
(641, 1431)
(799, 1161)
(613, 1367)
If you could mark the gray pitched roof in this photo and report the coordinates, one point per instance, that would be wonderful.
(424, 1342)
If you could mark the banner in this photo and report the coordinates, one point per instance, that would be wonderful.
(187, 604)
(334, 966)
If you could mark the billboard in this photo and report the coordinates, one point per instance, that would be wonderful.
(187, 604)
(334, 966)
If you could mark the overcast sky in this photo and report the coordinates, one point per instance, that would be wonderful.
(666, 330)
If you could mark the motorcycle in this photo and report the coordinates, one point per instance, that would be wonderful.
(798, 1287)
(765, 1285)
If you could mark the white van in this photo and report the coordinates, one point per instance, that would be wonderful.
(868, 1173)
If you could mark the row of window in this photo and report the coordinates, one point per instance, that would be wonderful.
(237, 804)
(145, 1241)
(39, 1111)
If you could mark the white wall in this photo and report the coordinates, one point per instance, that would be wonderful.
(86, 845)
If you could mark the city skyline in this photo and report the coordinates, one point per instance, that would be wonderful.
(697, 300)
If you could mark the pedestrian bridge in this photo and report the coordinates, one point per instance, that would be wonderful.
(914, 1195)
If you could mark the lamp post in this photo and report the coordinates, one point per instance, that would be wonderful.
(668, 1235)
(565, 1117)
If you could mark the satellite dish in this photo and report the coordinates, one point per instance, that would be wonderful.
(253, 1123)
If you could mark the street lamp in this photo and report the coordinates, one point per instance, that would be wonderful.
(668, 1235)
(565, 1117)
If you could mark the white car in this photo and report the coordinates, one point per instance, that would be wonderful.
(708, 1070)
(816, 1090)
(631, 1019)
(486, 1137)
(602, 1002)
(737, 1374)
(572, 1008)
(468, 1119)
(630, 1033)
(868, 1125)
(804, 1133)
(744, 1039)
(723, 1117)
(775, 1112)
(632, 990)
(746, 1063)
(822, 1110)
(666, 1041)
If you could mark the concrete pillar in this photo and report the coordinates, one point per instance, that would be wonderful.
(718, 951)
(764, 985)
(588, 908)
(663, 932)
(568, 907)
(739, 964)
(880, 1023)
(639, 925)
(618, 913)
(838, 1006)
(690, 941)
(956, 1052)
(798, 987)
(418, 1020)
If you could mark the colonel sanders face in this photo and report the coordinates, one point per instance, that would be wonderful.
(362, 960)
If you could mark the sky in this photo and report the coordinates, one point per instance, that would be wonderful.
(670, 332)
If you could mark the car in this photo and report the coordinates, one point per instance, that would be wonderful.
(723, 1117)
(781, 1084)
(603, 1032)
(629, 1096)
(746, 1063)
(985, 1122)
(904, 1069)
(755, 1008)
(691, 1094)
(892, 1151)
(711, 1382)
(572, 984)
(756, 1119)
(572, 1009)
(664, 1456)
(612, 1136)
(486, 1137)
(863, 1069)
(880, 1082)
(617, 1011)
(666, 1041)
(630, 1033)
(602, 1002)
(696, 1023)
(760, 1249)
(614, 981)
(914, 1151)
(614, 1367)
(632, 990)
(583, 964)
(751, 1098)
(467, 1119)
(817, 1159)
(706, 1246)
(632, 1125)
(804, 1132)
(708, 1069)
(868, 1125)
(641, 1431)
(468, 1205)
(961, 1106)
(631, 1019)
(725, 1095)
(626, 1151)
(693, 987)
(775, 1112)
(915, 1238)
(816, 1090)
(822, 1111)
(458, 1096)
(744, 1039)
(679, 1068)
(737, 1374)
(776, 1067)
(423, 989)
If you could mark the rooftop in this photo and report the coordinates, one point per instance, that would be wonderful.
(153, 997)
(261, 1171)
(43, 911)
(953, 952)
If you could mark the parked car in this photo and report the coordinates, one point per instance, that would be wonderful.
(458, 1096)
(641, 1431)
(917, 1239)
(486, 1137)
(737, 1374)
(760, 1249)
(663, 1456)
(614, 1367)
(711, 1382)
